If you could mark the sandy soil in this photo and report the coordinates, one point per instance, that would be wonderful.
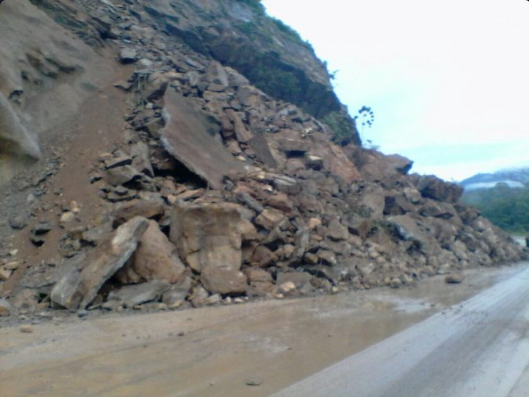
(215, 351)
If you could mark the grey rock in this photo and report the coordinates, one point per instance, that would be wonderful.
(5, 308)
(455, 278)
(17, 222)
(133, 295)
(178, 292)
(202, 152)
(121, 175)
(128, 55)
(80, 285)
(299, 279)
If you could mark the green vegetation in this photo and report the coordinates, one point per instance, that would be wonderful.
(290, 33)
(267, 76)
(342, 126)
(506, 207)
(255, 5)
(251, 29)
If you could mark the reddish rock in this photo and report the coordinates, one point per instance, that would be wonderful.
(456, 278)
(270, 219)
(281, 202)
(145, 208)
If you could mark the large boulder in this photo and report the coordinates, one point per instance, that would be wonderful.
(435, 188)
(155, 259)
(408, 229)
(207, 235)
(375, 166)
(202, 151)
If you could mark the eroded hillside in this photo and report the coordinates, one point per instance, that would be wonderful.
(186, 163)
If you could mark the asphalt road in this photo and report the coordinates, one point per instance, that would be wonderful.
(478, 349)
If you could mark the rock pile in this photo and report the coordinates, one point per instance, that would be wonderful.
(225, 193)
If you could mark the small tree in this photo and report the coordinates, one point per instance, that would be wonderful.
(365, 118)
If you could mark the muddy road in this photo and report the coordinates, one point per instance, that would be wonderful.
(216, 351)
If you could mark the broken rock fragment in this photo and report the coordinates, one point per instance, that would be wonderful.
(128, 55)
(5, 308)
(80, 285)
(270, 219)
(455, 278)
(145, 208)
(133, 295)
(223, 280)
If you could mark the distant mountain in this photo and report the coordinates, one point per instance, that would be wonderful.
(502, 197)
(514, 178)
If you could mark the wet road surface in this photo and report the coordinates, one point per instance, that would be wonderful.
(481, 349)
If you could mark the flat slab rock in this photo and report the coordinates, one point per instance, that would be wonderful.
(133, 295)
(80, 285)
(194, 140)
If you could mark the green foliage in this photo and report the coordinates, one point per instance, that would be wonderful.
(266, 76)
(255, 5)
(342, 126)
(290, 33)
(507, 208)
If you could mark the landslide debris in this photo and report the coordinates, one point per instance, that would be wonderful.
(223, 192)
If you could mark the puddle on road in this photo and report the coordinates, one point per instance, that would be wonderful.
(278, 342)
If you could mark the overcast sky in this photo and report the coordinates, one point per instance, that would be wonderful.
(448, 80)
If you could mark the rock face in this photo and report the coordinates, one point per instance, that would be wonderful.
(239, 34)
